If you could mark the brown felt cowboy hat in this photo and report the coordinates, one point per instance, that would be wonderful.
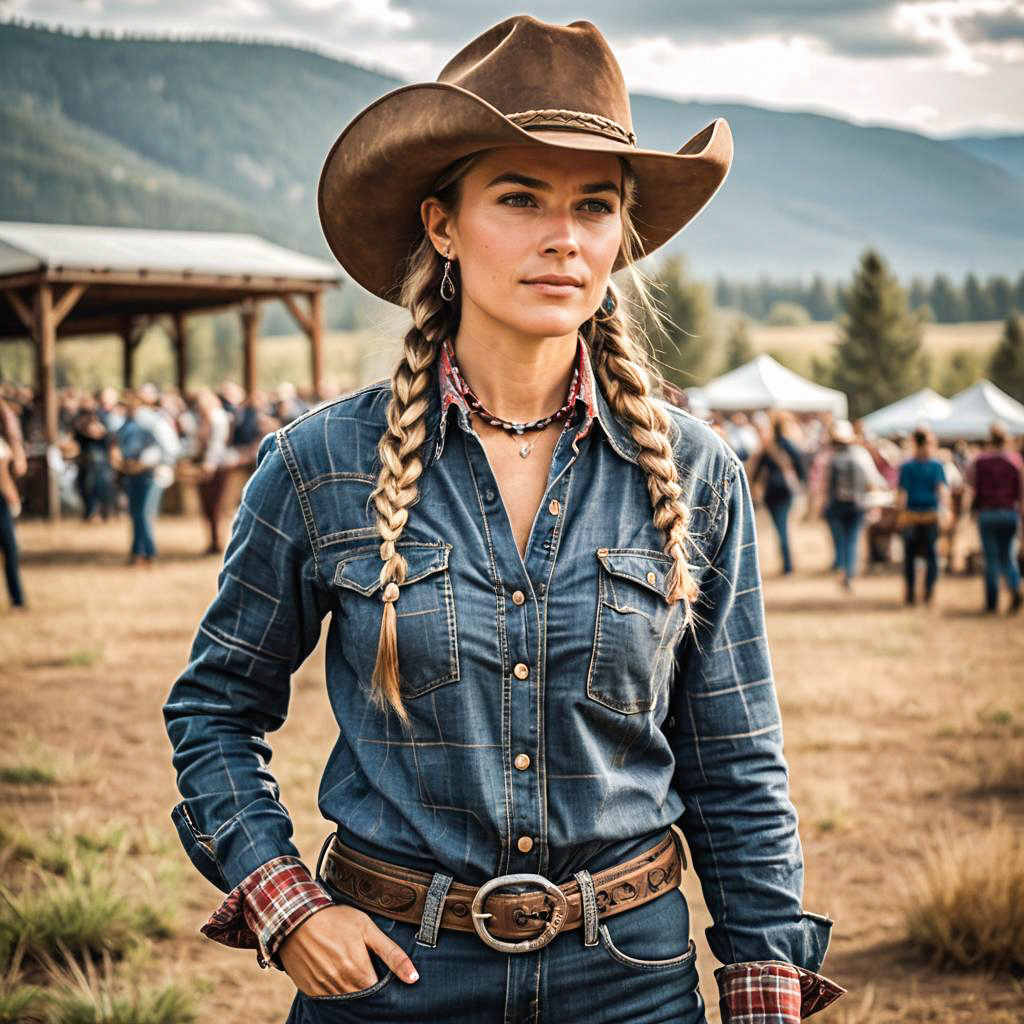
(522, 81)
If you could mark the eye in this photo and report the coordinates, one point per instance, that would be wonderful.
(515, 195)
(605, 207)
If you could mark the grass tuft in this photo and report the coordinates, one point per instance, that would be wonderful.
(965, 907)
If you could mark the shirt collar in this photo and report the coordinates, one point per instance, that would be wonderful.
(591, 404)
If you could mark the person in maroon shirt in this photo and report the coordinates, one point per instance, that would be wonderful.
(995, 479)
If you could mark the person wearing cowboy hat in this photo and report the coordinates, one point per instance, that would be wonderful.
(547, 649)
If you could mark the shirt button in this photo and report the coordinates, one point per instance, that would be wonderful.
(554, 507)
(651, 578)
(518, 597)
(522, 762)
(525, 844)
(521, 670)
(489, 494)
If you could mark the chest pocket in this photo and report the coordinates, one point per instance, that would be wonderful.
(636, 631)
(427, 640)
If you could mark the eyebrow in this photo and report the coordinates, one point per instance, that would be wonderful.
(515, 178)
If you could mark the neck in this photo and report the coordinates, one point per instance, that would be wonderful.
(519, 377)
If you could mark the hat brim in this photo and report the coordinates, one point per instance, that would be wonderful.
(384, 163)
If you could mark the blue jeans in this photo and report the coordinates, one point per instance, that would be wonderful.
(999, 541)
(642, 969)
(139, 489)
(9, 546)
(921, 539)
(780, 517)
(845, 518)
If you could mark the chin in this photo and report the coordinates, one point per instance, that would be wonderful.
(553, 323)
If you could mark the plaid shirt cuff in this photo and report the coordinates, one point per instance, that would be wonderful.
(772, 992)
(265, 906)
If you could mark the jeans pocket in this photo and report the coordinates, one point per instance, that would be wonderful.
(654, 936)
(636, 632)
(425, 622)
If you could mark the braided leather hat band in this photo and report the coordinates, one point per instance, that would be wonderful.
(573, 120)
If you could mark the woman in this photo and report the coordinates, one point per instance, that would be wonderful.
(850, 479)
(781, 469)
(216, 459)
(923, 502)
(994, 477)
(547, 637)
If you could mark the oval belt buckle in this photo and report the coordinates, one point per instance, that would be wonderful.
(558, 913)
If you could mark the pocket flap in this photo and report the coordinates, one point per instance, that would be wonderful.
(362, 572)
(647, 568)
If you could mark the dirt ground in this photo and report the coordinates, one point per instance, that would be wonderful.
(893, 719)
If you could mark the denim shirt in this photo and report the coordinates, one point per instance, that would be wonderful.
(571, 655)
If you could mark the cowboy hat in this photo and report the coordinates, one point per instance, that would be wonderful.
(522, 81)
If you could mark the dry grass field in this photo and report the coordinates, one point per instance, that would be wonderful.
(904, 730)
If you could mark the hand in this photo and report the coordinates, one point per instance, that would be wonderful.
(328, 954)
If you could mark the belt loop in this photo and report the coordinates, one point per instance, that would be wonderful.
(433, 908)
(323, 850)
(589, 900)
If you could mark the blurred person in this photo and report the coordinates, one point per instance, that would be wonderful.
(216, 459)
(850, 480)
(12, 464)
(743, 437)
(923, 502)
(994, 483)
(151, 414)
(780, 468)
(95, 473)
(957, 491)
(289, 405)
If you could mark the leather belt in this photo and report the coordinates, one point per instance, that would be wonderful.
(533, 917)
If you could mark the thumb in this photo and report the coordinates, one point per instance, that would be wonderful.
(390, 952)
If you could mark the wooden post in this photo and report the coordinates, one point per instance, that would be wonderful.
(178, 336)
(316, 341)
(46, 383)
(250, 313)
(129, 339)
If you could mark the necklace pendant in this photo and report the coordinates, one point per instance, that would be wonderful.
(524, 449)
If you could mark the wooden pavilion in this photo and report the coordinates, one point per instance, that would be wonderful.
(59, 281)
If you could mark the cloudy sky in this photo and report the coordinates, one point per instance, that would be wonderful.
(936, 66)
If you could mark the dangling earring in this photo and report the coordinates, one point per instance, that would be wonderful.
(608, 305)
(447, 280)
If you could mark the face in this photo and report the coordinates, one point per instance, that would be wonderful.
(529, 212)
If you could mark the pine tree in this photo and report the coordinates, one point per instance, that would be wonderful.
(878, 357)
(1006, 368)
(739, 349)
(689, 342)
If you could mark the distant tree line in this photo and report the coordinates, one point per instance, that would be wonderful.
(945, 301)
(877, 356)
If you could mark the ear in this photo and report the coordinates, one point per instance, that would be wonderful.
(437, 224)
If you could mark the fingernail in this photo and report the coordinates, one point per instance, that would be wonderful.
(414, 975)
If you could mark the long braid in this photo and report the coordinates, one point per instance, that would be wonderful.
(623, 370)
(399, 453)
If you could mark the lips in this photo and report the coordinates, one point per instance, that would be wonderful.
(555, 279)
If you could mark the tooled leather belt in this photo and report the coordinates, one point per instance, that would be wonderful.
(534, 917)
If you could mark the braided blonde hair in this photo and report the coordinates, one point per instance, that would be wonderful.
(625, 373)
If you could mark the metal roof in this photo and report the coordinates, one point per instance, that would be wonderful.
(26, 247)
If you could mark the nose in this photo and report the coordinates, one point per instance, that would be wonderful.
(560, 234)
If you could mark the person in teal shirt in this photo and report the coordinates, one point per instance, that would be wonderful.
(924, 498)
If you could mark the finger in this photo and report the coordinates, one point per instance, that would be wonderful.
(390, 952)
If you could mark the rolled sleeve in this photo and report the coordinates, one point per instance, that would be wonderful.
(261, 625)
(726, 733)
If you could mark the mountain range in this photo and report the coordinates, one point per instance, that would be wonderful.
(223, 135)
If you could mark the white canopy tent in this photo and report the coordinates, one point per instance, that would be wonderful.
(925, 406)
(764, 383)
(973, 411)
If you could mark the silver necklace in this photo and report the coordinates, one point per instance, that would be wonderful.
(509, 425)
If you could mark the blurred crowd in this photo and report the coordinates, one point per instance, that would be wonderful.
(120, 450)
(910, 493)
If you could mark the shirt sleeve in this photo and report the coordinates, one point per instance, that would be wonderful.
(261, 625)
(740, 824)
(265, 907)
